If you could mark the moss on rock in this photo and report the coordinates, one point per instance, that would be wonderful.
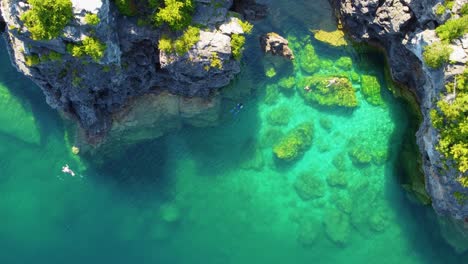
(371, 90)
(295, 143)
(334, 38)
(329, 91)
(279, 116)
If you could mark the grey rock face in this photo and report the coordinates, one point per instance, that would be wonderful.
(276, 45)
(92, 92)
(403, 28)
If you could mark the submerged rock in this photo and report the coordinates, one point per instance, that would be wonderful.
(337, 226)
(308, 186)
(294, 143)
(328, 91)
(308, 231)
(276, 45)
(335, 38)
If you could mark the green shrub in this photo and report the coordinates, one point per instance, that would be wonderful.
(451, 120)
(190, 37)
(440, 10)
(328, 91)
(436, 54)
(89, 46)
(47, 18)
(54, 56)
(165, 44)
(92, 19)
(182, 44)
(295, 143)
(453, 28)
(246, 26)
(460, 197)
(126, 7)
(177, 14)
(32, 60)
(215, 61)
(464, 10)
(237, 46)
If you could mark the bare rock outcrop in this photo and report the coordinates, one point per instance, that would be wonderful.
(95, 92)
(276, 45)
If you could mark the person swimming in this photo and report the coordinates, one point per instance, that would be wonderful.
(237, 109)
(66, 169)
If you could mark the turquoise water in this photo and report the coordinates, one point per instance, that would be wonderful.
(217, 195)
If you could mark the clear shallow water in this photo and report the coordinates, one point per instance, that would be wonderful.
(216, 195)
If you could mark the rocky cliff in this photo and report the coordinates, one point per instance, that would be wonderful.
(98, 93)
(402, 28)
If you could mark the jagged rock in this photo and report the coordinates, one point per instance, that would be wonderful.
(276, 45)
(250, 9)
(402, 29)
(97, 93)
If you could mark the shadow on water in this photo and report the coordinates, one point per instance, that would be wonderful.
(140, 172)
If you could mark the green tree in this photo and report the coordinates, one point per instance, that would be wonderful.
(47, 18)
(436, 54)
(92, 19)
(177, 14)
(89, 46)
(453, 28)
(237, 46)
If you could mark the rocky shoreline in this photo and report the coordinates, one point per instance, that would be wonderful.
(96, 93)
(401, 29)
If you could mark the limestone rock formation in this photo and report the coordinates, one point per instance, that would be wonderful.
(403, 29)
(97, 92)
(276, 45)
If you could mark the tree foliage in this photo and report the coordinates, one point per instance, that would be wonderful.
(177, 14)
(182, 44)
(436, 54)
(451, 120)
(92, 19)
(89, 46)
(47, 18)
(237, 46)
(453, 28)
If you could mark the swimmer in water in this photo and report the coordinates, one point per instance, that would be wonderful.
(237, 109)
(66, 169)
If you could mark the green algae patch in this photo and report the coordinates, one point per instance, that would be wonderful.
(271, 94)
(287, 85)
(16, 118)
(337, 179)
(329, 91)
(344, 63)
(371, 90)
(279, 116)
(308, 61)
(308, 186)
(334, 38)
(294, 143)
(359, 155)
